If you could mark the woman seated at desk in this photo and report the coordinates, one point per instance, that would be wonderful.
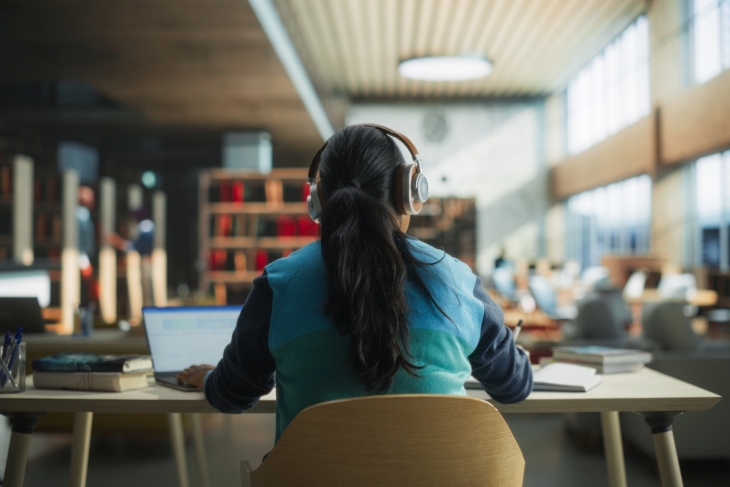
(366, 309)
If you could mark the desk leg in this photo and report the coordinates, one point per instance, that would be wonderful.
(80, 449)
(666, 451)
(199, 440)
(22, 428)
(177, 440)
(614, 448)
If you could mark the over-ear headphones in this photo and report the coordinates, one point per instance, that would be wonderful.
(410, 187)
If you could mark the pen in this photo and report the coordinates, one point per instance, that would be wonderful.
(13, 353)
(517, 331)
(6, 350)
(6, 345)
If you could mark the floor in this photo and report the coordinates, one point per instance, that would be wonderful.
(552, 459)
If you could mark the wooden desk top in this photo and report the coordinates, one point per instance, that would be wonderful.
(646, 390)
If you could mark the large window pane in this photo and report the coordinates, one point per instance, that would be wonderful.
(612, 91)
(614, 219)
(710, 38)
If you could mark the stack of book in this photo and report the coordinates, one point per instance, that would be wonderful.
(91, 372)
(605, 360)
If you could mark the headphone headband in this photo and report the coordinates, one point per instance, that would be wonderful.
(314, 166)
(410, 189)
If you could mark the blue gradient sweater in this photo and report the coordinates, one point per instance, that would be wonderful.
(284, 337)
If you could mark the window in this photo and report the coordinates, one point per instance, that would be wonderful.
(613, 219)
(612, 91)
(712, 190)
(709, 34)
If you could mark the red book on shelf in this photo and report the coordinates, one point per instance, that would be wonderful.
(6, 185)
(237, 192)
(305, 192)
(225, 191)
(54, 255)
(262, 258)
(41, 224)
(285, 227)
(37, 191)
(307, 228)
(224, 226)
(218, 260)
(52, 195)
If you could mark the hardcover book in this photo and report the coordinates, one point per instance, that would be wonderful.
(90, 362)
(91, 381)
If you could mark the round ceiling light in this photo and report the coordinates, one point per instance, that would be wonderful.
(445, 68)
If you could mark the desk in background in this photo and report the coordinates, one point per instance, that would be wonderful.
(655, 395)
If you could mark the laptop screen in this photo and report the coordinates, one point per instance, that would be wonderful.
(181, 337)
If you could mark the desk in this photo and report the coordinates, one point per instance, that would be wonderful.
(657, 396)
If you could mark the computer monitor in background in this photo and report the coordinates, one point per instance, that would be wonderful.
(26, 283)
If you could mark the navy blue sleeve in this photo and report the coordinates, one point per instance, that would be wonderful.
(246, 371)
(503, 369)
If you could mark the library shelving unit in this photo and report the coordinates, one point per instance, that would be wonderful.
(448, 224)
(247, 220)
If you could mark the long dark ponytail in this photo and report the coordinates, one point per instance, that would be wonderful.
(368, 258)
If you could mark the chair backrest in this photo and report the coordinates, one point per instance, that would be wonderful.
(504, 282)
(394, 440)
(634, 287)
(666, 324)
(677, 285)
(596, 320)
(543, 292)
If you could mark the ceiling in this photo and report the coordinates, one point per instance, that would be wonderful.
(354, 46)
(187, 66)
(176, 63)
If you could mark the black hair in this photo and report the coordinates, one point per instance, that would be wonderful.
(367, 257)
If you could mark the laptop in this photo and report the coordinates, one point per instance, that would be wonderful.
(21, 311)
(181, 337)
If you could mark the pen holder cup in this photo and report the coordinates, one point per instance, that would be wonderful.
(12, 370)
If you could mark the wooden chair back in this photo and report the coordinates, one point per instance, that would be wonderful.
(393, 440)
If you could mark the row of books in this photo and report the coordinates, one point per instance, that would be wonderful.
(254, 226)
(225, 260)
(270, 191)
(91, 372)
(48, 228)
(45, 190)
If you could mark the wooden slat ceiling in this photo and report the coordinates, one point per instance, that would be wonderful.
(354, 46)
(180, 63)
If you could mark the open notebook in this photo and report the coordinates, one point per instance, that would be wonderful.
(558, 377)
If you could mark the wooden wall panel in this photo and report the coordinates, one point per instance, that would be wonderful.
(696, 122)
(627, 153)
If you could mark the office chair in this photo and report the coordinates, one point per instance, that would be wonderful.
(393, 441)
(547, 300)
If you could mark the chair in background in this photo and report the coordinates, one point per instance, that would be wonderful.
(677, 286)
(547, 299)
(504, 283)
(636, 284)
(393, 440)
(686, 357)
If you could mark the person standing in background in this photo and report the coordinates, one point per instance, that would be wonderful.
(87, 252)
(142, 242)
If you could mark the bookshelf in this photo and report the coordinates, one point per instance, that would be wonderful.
(448, 224)
(246, 221)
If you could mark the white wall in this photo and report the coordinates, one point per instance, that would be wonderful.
(490, 150)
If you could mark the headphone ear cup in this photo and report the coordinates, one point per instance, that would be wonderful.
(314, 204)
(404, 203)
